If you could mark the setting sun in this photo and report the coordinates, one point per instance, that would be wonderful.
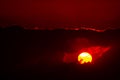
(84, 57)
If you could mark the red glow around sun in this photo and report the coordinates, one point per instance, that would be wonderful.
(85, 55)
(96, 51)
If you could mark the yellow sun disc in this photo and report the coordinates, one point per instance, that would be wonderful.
(84, 57)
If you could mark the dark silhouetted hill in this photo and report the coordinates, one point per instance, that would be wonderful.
(32, 54)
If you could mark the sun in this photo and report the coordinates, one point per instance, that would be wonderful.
(84, 57)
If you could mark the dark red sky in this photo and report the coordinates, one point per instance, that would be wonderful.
(60, 13)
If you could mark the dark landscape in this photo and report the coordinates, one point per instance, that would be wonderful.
(38, 54)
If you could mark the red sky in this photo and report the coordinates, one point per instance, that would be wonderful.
(60, 13)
